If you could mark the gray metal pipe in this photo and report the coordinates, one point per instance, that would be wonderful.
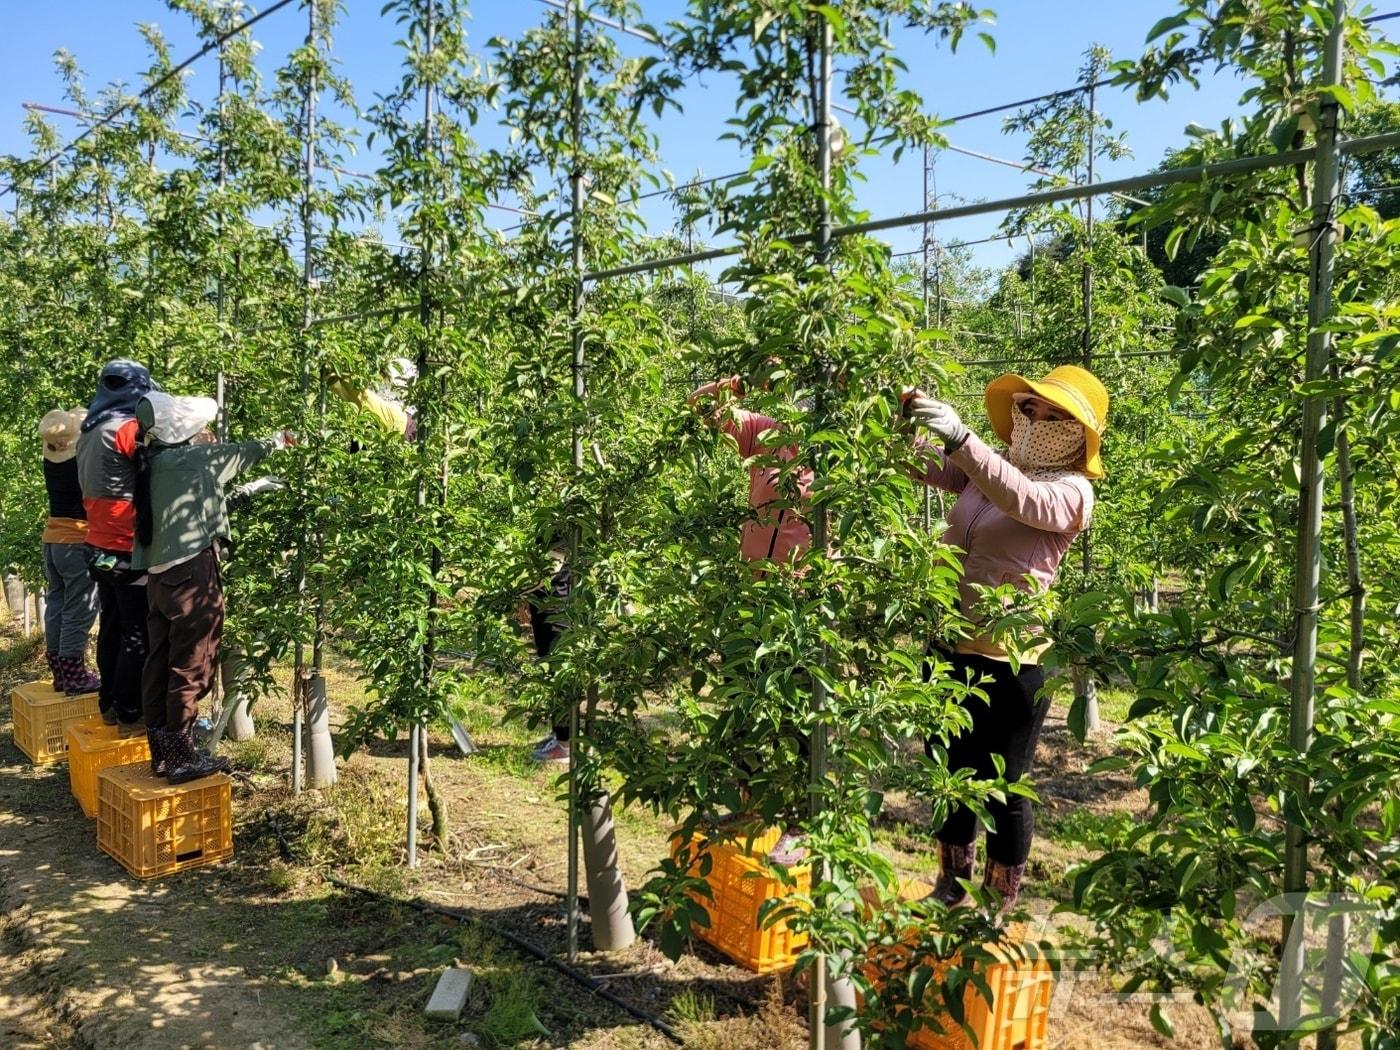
(1085, 686)
(307, 232)
(1238, 166)
(576, 367)
(829, 986)
(413, 732)
(1308, 563)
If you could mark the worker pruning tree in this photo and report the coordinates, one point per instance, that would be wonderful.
(1200, 880)
(830, 335)
(401, 537)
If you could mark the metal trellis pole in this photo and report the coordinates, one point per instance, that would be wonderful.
(923, 248)
(413, 732)
(307, 237)
(220, 177)
(1308, 568)
(1085, 686)
(824, 989)
(576, 367)
(425, 670)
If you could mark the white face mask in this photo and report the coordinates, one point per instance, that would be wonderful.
(1046, 444)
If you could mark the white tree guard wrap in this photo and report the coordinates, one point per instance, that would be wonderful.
(607, 895)
(320, 748)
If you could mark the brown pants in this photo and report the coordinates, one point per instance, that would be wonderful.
(185, 622)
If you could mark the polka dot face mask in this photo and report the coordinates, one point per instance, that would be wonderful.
(1047, 444)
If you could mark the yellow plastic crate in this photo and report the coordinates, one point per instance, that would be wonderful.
(152, 828)
(740, 884)
(40, 718)
(92, 747)
(1017, 1018)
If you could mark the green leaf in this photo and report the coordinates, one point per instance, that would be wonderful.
(1161, 1021)
(1077, 719)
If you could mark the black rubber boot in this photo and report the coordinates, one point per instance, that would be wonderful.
(155, 738)
(185, 762)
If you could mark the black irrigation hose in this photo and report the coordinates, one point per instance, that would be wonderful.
(522, 944)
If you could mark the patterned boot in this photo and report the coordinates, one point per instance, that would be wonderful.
(56, 669)
(1005, 879)
(185, 762)
(954, 863)
(77, 678)
(155, 738)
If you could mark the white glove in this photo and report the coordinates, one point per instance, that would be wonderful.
(283, 439)
(243, 495)
(267, 483)
(939, 417)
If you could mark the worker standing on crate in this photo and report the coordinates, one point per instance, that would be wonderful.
(1018, 510)
(71, 597)
(777, 532)
(182, 521)
(107, 476)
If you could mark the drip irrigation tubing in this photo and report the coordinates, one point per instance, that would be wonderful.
(463, 916)
(163, 79)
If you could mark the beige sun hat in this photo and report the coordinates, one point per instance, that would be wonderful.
(59, 428)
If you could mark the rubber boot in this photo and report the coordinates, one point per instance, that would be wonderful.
(954, 863)
(155, 739)
(185, 762)
(60, 681)
(1005, 879)
(78, 679)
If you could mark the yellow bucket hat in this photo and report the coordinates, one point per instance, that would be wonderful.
(1070, 388)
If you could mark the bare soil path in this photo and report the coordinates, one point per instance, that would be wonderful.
(264, 952)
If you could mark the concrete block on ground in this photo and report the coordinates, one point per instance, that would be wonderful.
(450, 995)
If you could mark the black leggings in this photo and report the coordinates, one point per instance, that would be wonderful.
(546, 633)
(121, 640)
(1007, 724)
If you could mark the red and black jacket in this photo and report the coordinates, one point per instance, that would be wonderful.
(107, 475)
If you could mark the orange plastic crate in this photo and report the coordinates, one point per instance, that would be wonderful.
(1017, 1018)
(92, 747)
(152, 828)
(740, 883)
(41, 716)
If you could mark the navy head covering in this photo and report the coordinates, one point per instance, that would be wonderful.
(119, 387)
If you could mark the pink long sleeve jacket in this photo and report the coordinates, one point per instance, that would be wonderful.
(1009, 525)
(777, 531)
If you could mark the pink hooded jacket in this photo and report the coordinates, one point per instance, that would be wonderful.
(1008, 524)
(776, 534)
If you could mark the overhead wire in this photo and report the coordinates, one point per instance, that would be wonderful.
(158, 83)
(621, 27)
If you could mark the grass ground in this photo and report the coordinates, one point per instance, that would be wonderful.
(266, 951)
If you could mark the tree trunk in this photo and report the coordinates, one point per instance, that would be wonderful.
(437, 805)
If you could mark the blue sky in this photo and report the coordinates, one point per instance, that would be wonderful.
(1039, 48)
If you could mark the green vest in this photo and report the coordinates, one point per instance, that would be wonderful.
(187, 497)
